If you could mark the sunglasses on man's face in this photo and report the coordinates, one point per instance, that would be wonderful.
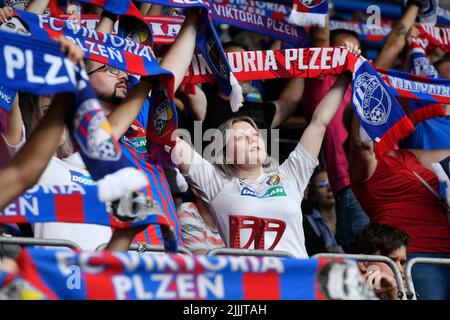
(113, 70)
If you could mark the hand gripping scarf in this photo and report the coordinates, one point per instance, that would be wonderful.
(207, 42)
(57, 274)
(107, 49)
(309, 12)
(209, 45)
(47, 71)
(429, 39)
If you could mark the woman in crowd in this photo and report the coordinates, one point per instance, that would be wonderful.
(254, 205)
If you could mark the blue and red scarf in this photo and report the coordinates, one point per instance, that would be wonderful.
(47, 71)
(209, 45)
(429, 39)
(379, 111)
(309, 12)
(207, 42)
(53, 274)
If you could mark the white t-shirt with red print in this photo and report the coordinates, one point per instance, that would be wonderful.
(264, 213)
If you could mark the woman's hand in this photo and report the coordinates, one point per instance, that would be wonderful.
(353, 48)
(73, 51)
(6, 14)
(413, 33)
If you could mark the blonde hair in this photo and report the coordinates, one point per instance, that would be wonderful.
(220, 159)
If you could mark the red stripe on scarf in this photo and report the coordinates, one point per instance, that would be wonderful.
(253, 290)
(30, 273)
(99, 286)
(429, 112)
(69, 208)
(397, 132)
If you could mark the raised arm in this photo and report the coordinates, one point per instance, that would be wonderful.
(312, 138)
(29, 163)
(37, 6)
(320, 37)
(179, 56)
(360, 152)
(288, 101)
(395, 41)
(176, 60)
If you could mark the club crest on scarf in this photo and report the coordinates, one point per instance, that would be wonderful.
(134, 30)
(371, 99)
(95, 137)
(161, 117)
(214, 55)
(312, 3)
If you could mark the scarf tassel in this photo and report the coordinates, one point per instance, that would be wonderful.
(429, 112)
(114, 186)
(390, 139)
(236, 96)
(305, 19)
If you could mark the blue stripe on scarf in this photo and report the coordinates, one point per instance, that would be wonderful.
(129, 276)
(377, 109)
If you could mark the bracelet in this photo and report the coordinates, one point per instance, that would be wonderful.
(109, 15)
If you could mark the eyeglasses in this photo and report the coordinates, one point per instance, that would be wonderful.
(115, 71)
(322, 184)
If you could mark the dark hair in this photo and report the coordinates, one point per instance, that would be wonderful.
(381, 239)
(30, 110)
(232, 43)
(316, 172)
(336, 32)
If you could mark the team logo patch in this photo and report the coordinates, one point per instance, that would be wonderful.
(274, 180)
(161, 117)
(140, 35)
(371, 99)
(270, 193)
(214, 56)
(95, 135)
(312, 3)
(136, 137)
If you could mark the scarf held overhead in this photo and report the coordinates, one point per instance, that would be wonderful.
(120, 276)
(209, 45)
(47, 71)
(379, 111)
(309, 12)
(122, 53)
(429, 39)
(207, 42)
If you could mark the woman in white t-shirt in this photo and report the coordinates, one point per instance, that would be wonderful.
(255, 206)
